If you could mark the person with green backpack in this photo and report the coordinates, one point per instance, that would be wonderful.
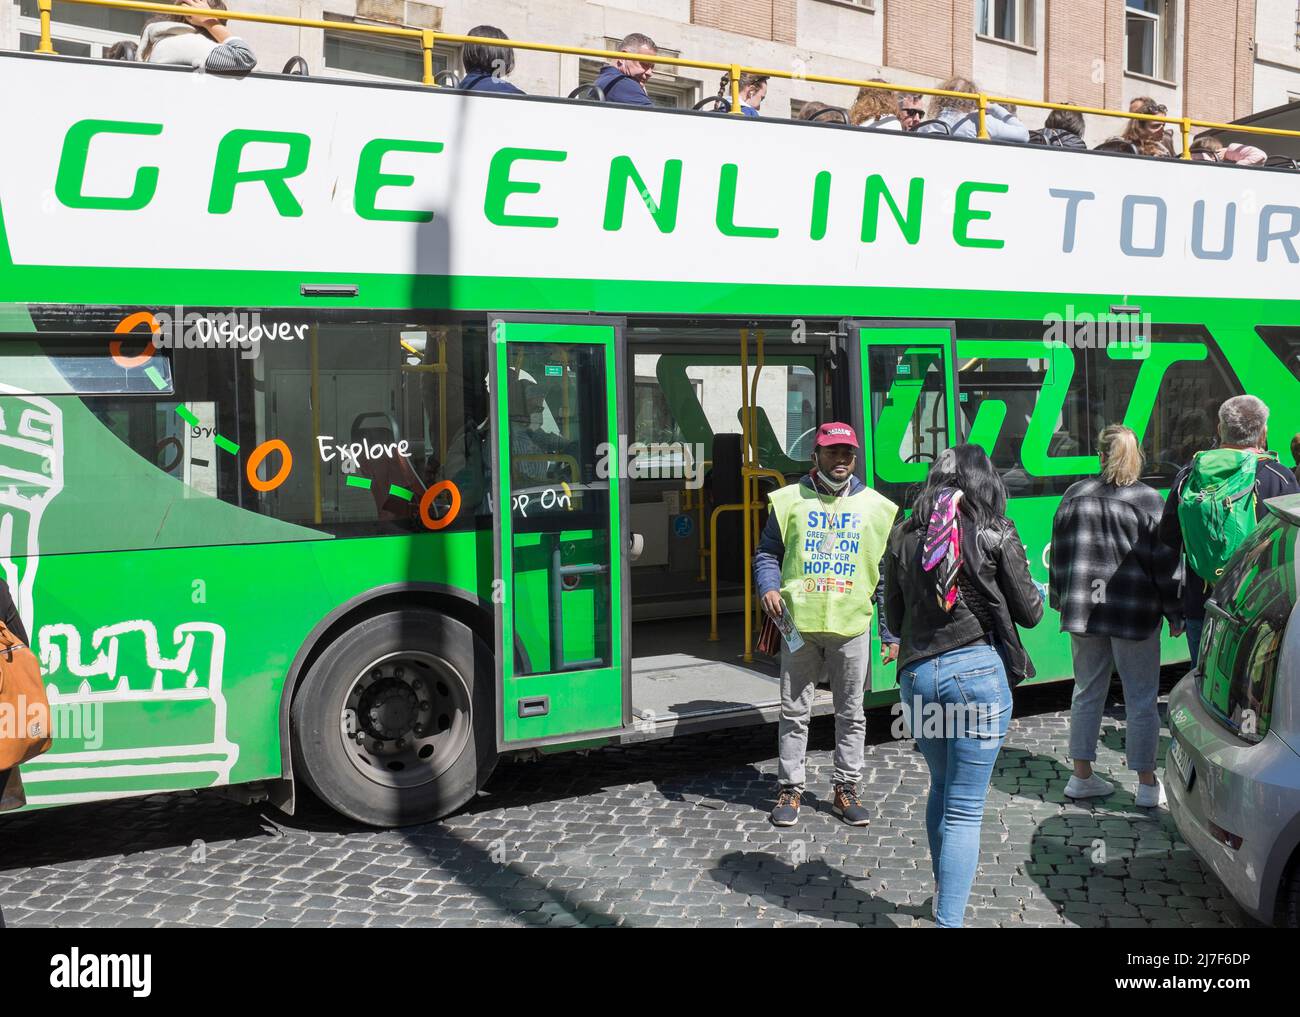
(1215, 502)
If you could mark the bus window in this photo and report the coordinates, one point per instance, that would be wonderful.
(1024, 402)
(1167, 385)
(320, 423)
(691, 397)
(1284, 342)
(86, 365)
(1037, 406)
(908, 409)
(375, 413)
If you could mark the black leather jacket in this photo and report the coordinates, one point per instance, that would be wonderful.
(994, 563)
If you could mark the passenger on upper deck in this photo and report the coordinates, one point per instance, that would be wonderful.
(126, 49)
(199, 40)
(624, 80)
(1063, 129)
(486, 66)
(1117, 145)
(875, 109)
(962, 119)
(911, 109)
(1208, 149)
(1149, 137)
(753, 90)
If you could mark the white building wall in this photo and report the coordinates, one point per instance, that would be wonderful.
(1277, 58)
(1004, 69)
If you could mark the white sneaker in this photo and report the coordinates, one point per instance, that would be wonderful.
(1150, 796)
(1093, 787)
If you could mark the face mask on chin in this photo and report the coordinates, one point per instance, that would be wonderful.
(834, 486)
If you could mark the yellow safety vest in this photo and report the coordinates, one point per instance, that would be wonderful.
(833, 548)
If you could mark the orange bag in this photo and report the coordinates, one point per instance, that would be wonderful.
(24, 709)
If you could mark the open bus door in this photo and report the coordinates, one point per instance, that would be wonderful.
(903, 393)
(560, 505)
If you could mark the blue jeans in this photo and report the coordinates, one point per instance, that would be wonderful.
(1195, 626)
(958, 706)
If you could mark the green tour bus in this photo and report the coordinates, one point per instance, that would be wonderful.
(359, 435)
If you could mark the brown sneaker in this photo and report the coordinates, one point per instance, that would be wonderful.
(846, 805)
(786, 812)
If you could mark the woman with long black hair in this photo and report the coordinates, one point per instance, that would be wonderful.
(956, 586)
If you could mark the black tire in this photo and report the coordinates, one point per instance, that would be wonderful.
(447, 697)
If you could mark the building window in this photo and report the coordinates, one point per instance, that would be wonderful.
(1149, 32)
(1008, 20)
(353, 55)
(77, 30)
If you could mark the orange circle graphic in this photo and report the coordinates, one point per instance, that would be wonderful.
(426, 502)
(255, 460)
(129, 324)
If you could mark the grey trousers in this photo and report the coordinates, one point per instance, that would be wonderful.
(844, 662)
(1138, 664)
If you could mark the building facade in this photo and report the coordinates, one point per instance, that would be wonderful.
(1213, 59)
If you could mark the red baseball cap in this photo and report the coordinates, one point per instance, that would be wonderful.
(836, 433)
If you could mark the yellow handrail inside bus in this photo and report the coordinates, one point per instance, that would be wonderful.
(746, 460)
(429, 39)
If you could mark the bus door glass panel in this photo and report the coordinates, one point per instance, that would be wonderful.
(909, 405)
(905, 418)
(560, 531)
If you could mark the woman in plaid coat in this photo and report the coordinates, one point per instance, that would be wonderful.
(1113, 581)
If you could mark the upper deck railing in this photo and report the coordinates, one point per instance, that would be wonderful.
(428, 39)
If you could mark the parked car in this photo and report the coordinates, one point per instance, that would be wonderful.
(1232, 773)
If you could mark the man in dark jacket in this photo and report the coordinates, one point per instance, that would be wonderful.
(1063, 129)
(1243, 424)
(625, 79)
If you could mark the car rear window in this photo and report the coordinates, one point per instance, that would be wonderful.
(1245, 623)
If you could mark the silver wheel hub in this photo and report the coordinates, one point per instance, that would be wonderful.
(406, 719)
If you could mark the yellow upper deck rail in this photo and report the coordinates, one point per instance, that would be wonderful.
(428, 39)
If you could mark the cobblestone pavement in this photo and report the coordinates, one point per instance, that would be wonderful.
(668, 834)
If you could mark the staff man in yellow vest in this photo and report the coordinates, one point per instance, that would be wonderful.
(819, 561)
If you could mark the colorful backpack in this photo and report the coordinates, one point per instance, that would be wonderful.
(1216, 509)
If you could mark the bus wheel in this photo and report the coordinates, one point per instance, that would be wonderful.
(393, 723)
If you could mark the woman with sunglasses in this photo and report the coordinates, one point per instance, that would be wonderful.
(1149, 137)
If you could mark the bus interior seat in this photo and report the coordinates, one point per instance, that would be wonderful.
(382, 429)
(770, 453)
